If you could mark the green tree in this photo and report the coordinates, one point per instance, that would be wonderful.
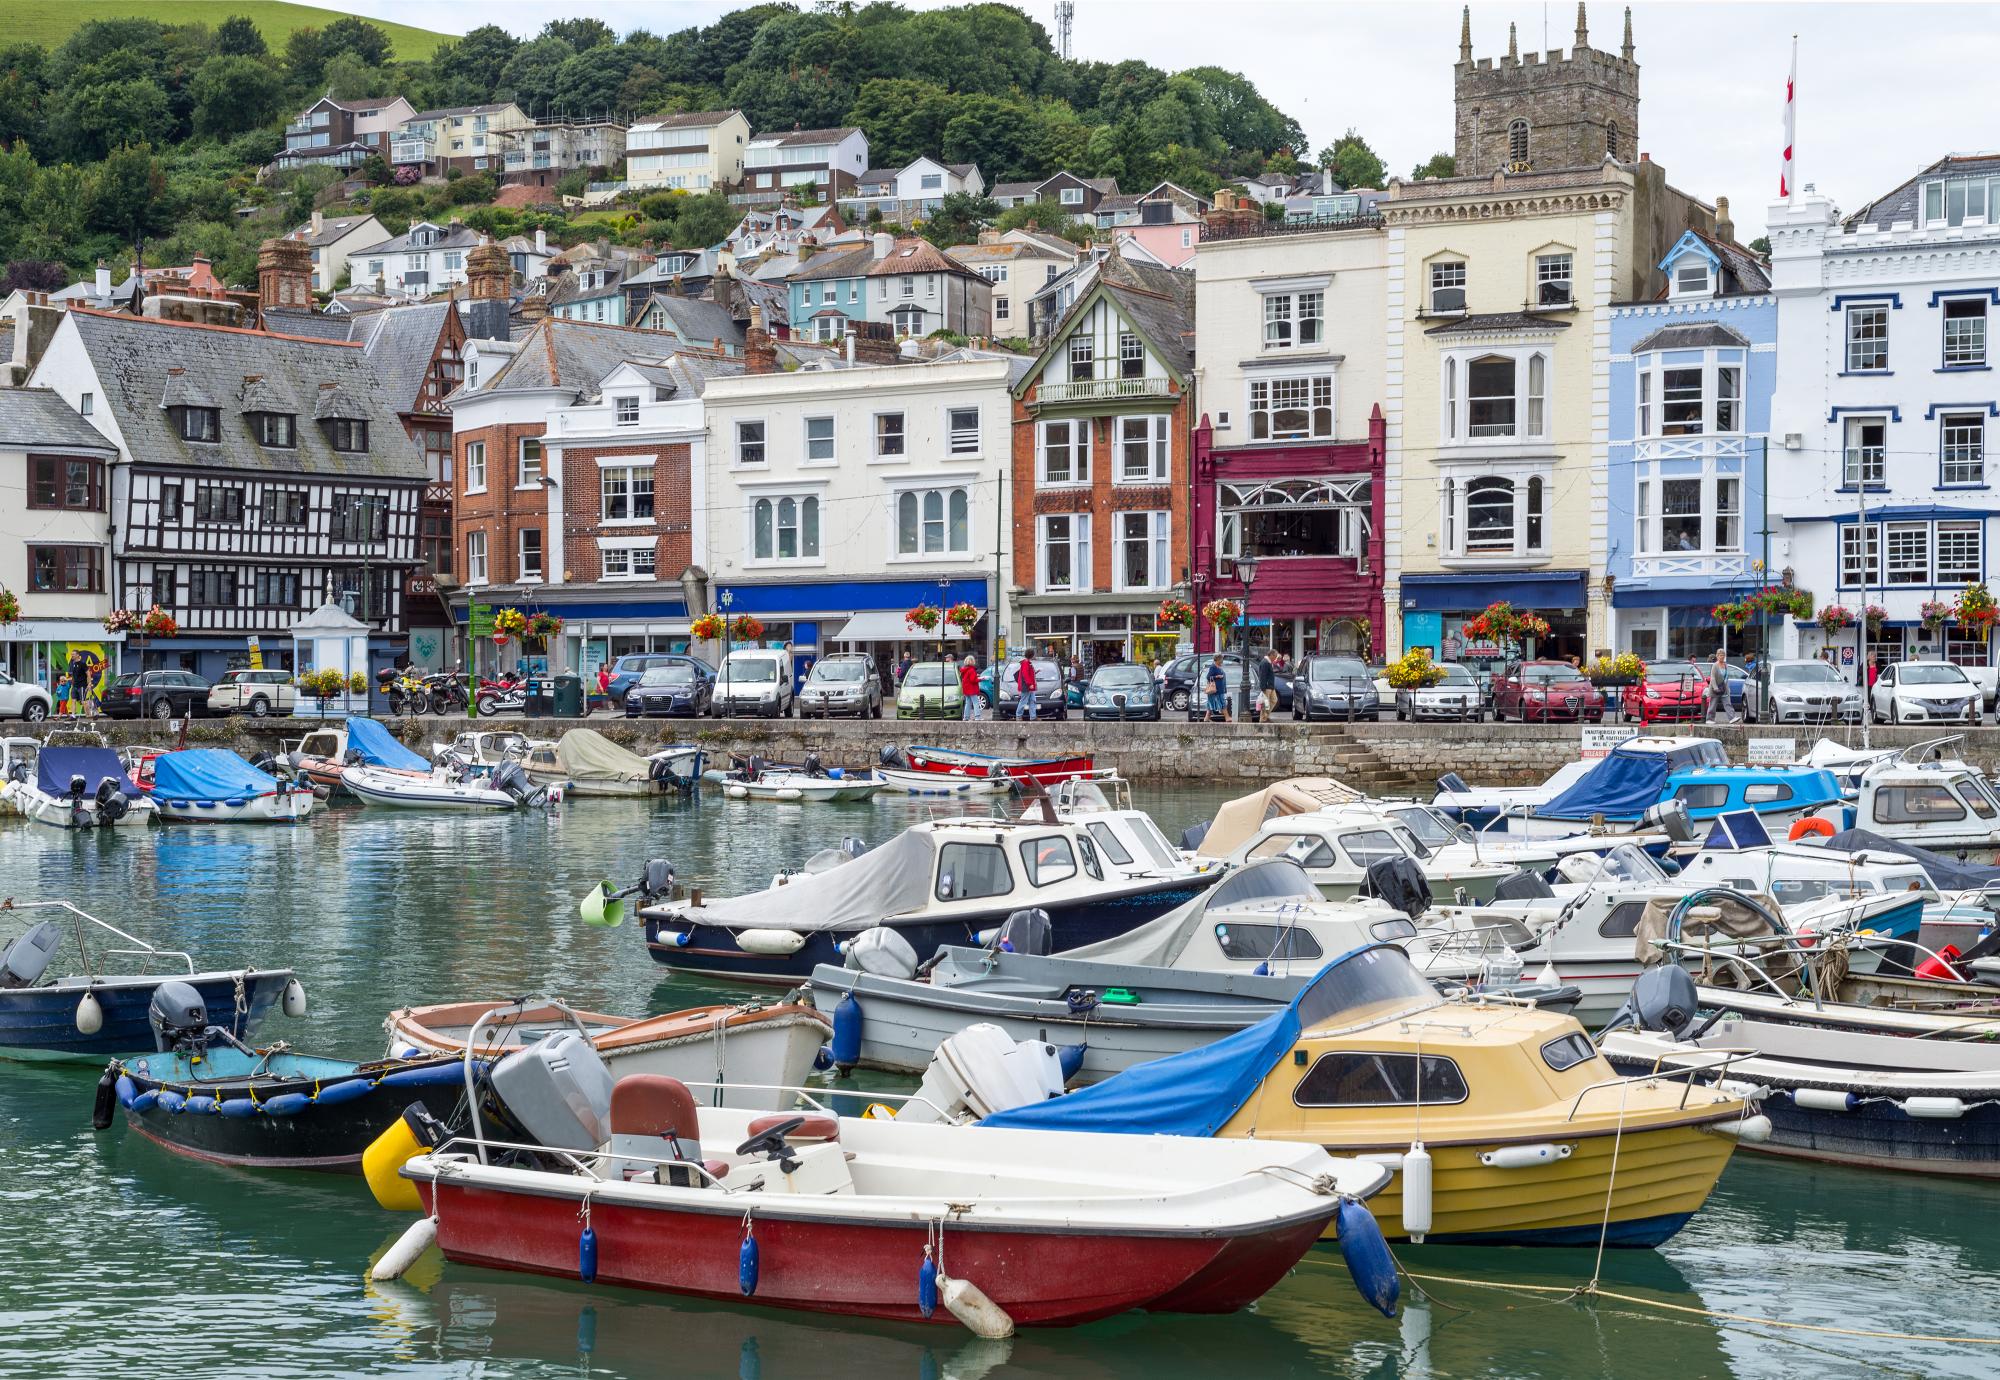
(590, 82)
(1044, 216)
(127, 194)
(351, 77)
(1437, 165)
(1761, 246)
(530, 74)
(1243, 119)
(24, 93)
(903, 119)
(1001, 136)
(580, 34)
(959, 218)
(232, 94)
(97, 116)
(237, 36)
(357, 36)
(468, 71)
(305, 56)
(1354, 164)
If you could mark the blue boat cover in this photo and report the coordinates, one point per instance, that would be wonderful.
(208, 774)
(1623, 786)
(379, 749)
(55, 766)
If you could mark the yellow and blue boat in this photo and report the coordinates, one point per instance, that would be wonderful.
(1504, 1124)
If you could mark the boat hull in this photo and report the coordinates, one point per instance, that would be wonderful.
(952, 762)
(54, 812)
(1042, 1278)
(284, 807)
(422, 793)
(941, 783)
(812, 791)
(39, 1023)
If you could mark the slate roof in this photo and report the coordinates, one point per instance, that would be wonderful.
(1905, 204)
(1742, 270)
(792, 137)
(1691, 335)
(31, 417)
(315, 325)
(261, 394)
(132, 356)
(330, 230)
(878, 175)
(454, 237)
(1162, 320)
(855, 263)
(452, 110)
(687, 119)
(1499, 323)
(400, 342)
(573, 355)
(362, 102)
(697, 321)
(1000, 189)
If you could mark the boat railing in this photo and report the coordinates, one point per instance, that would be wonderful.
(811, 1096)
(79, 916)
(1658, 1072)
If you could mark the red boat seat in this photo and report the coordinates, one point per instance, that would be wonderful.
(651, 1104)
(813, 1130)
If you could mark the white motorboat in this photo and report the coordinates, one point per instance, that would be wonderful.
(760, 1050)
(807, 785)
(448, 788)
(897, 781)
(1923, 798)
(77, 788)
(17, 757)
(215, 786)
(322, 755)
(585, 762)
(1336, 846)
(484, 749)
(1480, 806)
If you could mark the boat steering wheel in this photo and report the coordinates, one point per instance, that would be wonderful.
(770, 1143)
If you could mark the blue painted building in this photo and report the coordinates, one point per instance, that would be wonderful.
(1691, 380)
(828, 291)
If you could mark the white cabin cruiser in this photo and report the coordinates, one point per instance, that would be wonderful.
(1924, 798)
(17, 757)
(1337, 846)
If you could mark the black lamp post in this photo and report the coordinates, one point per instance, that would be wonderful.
(727, 598)
(1246, 571)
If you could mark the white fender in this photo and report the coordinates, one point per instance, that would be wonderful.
(1823, 1099)
(969, 1304)
(1416, 1192)
(294, 999)
(89, 1015)
(1524, 1156)
(1934, 1108)
(775, 943)
(736, 792)
(790, 793)
(1751, 1130)
(408, 1247)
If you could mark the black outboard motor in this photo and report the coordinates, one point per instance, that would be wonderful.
(1400, 882)
(1026, 932)
(179, 1019)
(351, 758)
(893, 758)
(18, 771)
(812, 765)
(80, 816)
(112, 805)
(509, 777)
(1192, 836)
(1523, 886)
(1664, 999)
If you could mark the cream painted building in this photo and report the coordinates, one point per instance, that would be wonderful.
(694, 151)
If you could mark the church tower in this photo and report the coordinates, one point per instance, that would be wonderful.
(1544, 111)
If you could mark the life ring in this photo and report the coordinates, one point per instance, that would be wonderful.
(1811, 824)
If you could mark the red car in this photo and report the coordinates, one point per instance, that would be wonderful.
(1546, 691)
(1670, 691)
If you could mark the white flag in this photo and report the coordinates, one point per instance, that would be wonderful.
(1786, 181)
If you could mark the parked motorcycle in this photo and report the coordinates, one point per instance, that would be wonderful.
(447, 692)
(510, 692)
(407, 693)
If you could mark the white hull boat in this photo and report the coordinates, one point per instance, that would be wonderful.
(214, 786)
(928, 783)
(77, 788)
(801, 788)
(505, 789)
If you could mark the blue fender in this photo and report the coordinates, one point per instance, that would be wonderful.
(746, 1266)
(1367, 1256)
(333, 1094)
(847, 1033)
(126, 1092)
(237, 1108)
(145, 1100)
(202, 1104)
(1070, 1057)
(927, 1290)
(287, 1104)
(586, 1255)
(171, 1101)
(426, 1076)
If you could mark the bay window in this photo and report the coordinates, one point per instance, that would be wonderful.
(1490, 390)
(1141, 562)
(627, 493)
(785, 528)
(1680, 402)
(1065, 452)
(1142, 450)
(1962, 442)
(1495, 396)
(1690, 513)
(933, 522)
(1293, 517)
(1910, 555)
(1692, 396)
(1906, 553)
(1960, 557)
(1062, 553)
(1495, 515)
(1866, 452)
(1296, 408)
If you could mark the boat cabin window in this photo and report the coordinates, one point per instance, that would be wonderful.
(1365, 986)
(1307, 850)
(319, 745)
(1274, 879)
(1428, 826)
(1048, 860)
(1766, 792)
(1974, 797)
(1709, 796)
(1379, 1080)
(1392, 931)
(1255, 943)
(1089, 855)
(1566, 1053)
(1153, 841)
(1369, 846)
(970, 870)
(1623, 920)
(1108, 841)
(1926, 804)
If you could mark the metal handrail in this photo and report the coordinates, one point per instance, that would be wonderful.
(83, 950)
(1730, 1056)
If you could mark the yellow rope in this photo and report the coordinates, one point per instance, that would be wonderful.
(1586, 1290)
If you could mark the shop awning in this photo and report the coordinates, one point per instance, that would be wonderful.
(885, 625)
(1460, 592)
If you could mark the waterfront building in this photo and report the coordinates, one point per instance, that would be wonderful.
(1885, 401)
(693, 150)
(55, 540)
(1692, 372)
(1289, 450)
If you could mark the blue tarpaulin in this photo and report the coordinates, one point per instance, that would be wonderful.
(378, 749)
(55, 766)
(1622, 787)
(208, 774)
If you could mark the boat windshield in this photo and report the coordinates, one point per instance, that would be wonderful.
(1628, 863)
(1430, 827)
(1367, 986)
(1273, 879)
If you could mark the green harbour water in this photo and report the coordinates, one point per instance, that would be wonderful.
(116, 1256)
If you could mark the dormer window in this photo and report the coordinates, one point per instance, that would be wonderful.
(347, 435)
(1955, 200)
(1693, 278)
(276, 429)
(198, 423)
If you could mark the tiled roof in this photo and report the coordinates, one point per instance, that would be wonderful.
(697, 321)
(1000, 189)
(452, 110)
(914, 255)
(363, 103)
(132, 357)
(792, 138)
(31, 417)
(687, 119)
(1903, 203)
(1499, 323)
(961, 169)
(454, 237)
(878, 175)
(853, 264)
(1691, 335)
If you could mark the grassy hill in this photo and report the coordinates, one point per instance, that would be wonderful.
(49, 22)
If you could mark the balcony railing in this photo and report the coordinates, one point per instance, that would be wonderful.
(1105, 390)
(1252, 229)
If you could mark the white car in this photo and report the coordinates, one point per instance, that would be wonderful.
(1801, 692)
(20, 699)
(753, 681)
(256, 693)
(1455, 696)
(930, 690)
(1919, 692)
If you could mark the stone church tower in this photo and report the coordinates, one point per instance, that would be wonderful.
(1545, 111)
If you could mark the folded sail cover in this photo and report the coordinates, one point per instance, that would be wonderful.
(208, 774)
(55, 766)
(379, 749)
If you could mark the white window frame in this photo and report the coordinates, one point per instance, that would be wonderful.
(1650, 515)
(1852, 557)
(1446, 275)
(1857, 461)
(753, 513)
(1531, 502)
(1533, 403)
(1968, 351)
(963, 440)
(1152, 431)
(625, 409)
(830, 441)
(1070, 196)
(1557, 266)
(632, 471)
(475, 467)
(1262, 404)
(1959, 570)
(522, 478)
(627, 550)
(1906, 554)
(1693, 277)
(1295, 320)
(761, 444)
(1154, 530)
(1078, 542)
(920, 548)
(1867, 338)
(521, 575)
(1077, 432)
(1970, 448)
(475, 558)
(892, 445)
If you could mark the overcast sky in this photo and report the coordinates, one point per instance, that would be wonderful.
(1877, 100)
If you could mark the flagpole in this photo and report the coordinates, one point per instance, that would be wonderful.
(1788, 179)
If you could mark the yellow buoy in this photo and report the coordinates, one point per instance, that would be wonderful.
(408, 1138)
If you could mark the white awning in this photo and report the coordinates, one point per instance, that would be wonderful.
(884, 625)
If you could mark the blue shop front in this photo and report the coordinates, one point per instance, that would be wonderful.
(1436, 608)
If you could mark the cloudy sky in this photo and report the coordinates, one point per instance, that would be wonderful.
(1877, 100)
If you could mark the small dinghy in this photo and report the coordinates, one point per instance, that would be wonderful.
(62, 998)
(205, 1094)
(78, 788)
(810, 783)
(211, 785)
(585, 762)
(979, 766)
(322, 756)
(761, 1050)
(883, 1218)
(506, 787)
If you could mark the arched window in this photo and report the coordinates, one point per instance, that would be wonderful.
(809, 528)
(1451, 517)
(1537, 395)
(762, 526)
(960, 534)
(906, 524)
(1489, 516)
(1517, 142)
(1534, 515)
(1611, 139)
(788, 530)
(934, 521)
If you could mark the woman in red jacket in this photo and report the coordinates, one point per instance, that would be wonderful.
(968, 684)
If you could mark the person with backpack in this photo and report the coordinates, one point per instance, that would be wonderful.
(1026, 707)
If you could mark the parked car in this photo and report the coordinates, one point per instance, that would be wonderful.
(1052, 699)
(1455, 696)
(930, 691)
(753, 680)
(844, 684)
(1180, 678)
(20, 699)
(1122, 690)
(1232, 674)
(256, 693)
(1335, 687)
(627, 669)
(1669, 692)
(1917, 692)
(157, 695)
(676, 689)
(1546, 692)
(1786, 692)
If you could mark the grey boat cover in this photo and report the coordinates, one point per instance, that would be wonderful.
(587, 755)
(878, 886)
(1159, 943)
(1946, 873)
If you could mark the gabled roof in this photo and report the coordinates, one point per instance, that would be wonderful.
(916, 255)
(1000, 189)
(401, 342)
(1740, 271)
(793, 138)
(697, 321)
(572, 355)
(1691, 335)
(359, 103)
(33, 417)
(453, 237)
(1903, 203)
(1158, 303)
(686, 119)
(455, 110)
(874, 175)
(331, 229)
(261, 394)
(132, 357)
(855, 263)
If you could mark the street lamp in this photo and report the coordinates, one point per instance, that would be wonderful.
(727, 598)
(944, 654)
(1246, 571)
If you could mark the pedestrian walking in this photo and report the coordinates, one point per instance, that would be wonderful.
(1718, 687)
(1267, 687)
(1026, 706)
(968, 685)
(902, 668)
(1217, 686)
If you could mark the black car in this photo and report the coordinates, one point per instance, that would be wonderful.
(676, 688)
(1180, 684)
(157, 695)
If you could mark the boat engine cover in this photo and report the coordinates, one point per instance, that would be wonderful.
(883, 952)
(1523, 886)
(24, 961)
(1028, 932)
(1671, 818)
(178, 1016)
(1399, 881)
(1663, 999)
(509, 777)
(558, 1091)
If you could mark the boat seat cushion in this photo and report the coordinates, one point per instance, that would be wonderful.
(814, 1130)
(651, 1104)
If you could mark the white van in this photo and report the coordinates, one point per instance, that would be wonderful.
(754, 681)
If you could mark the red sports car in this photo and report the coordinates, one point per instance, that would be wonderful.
(1670, 691)
(1545, 692)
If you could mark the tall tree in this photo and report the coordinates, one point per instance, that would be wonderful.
(238, 36)
(959, 218)
(530, 74)
(1353, 163)
(580, 34)
(128, 195)
(357, 36)
(235, 93)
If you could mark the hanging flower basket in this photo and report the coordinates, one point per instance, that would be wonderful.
(152, 622)
(924, 617)
(322, 685)
(1781, 600)
(1222, 615)
(1414, 670)
(544, 625)
(10, 606)
(707, 628)
(962, 616)
(746, 627)
(1833, 619)
(1176, 613)
(1503, 623)
(512, 622)
(1935, 615)
(357, 684)
(1624, 669)
(1876, 616)
(1734, 617)
(1976, 608)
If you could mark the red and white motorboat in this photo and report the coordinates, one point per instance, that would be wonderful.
(979, 766)
(890, 1219)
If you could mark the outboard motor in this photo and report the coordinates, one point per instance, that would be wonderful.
(179, 1019)
(812, 765)
(509, 778)
(1026, 932)
(1670, 817)
(23, 962)
(80, 816)
(1400, 882)
(1664, 999)
(852, 846)
(18, 771)
(112, 805)
(351, 758)
(893, 758)
(1523, 886)
(1192, 836)
(265, 763)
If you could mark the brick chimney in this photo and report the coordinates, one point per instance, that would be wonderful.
(807, 247)
(284, 275)
(489, 275)
(760, 356)
(1725, 228)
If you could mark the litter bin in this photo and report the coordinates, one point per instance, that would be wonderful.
(537, 703)
(569, 697)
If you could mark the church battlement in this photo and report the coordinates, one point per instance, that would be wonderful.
(1540, 111)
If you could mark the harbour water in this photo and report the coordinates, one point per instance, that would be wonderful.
(115, 1255)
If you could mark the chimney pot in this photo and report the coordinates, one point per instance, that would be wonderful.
(318, 221)
(885, 244)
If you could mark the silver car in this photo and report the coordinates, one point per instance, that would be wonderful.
(1794, 692)
(841, 685)
(1335, 687)
(1455, 697)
